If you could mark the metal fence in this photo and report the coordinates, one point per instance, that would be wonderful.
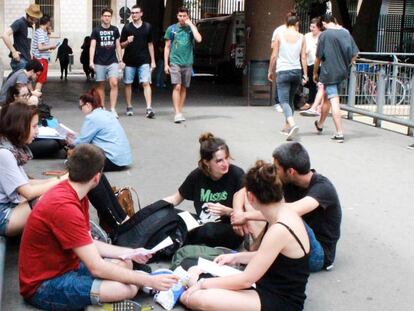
(210, 8)
(381, 89)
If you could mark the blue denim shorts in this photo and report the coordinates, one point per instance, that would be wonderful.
(73, 290)
(331, 90)
(5, 212)
(317, 255)
(103, 72)
(143, 72)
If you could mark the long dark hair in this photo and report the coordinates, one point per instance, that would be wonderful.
(15, 120)
(209, 145)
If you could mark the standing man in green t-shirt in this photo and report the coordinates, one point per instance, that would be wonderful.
(178, 58)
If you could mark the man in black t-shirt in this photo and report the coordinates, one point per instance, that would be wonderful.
(22, 31)
(336, 51)
(103, 58)
(136, 39)
(313, 197)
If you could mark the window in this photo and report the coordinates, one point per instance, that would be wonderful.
(48, 7)
(97, 6)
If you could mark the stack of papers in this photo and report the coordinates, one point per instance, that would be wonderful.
(60, 132)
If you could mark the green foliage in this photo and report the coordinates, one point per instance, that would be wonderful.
(304, 5)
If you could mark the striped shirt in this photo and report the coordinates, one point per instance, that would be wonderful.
(40, 37)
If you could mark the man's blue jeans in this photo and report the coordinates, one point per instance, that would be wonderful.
(317, 255)
(71, 291)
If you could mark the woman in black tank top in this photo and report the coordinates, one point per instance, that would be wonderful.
(279, 268)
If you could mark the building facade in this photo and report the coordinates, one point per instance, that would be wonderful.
(71, 19)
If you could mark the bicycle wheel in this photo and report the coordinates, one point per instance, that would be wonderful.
(368, 91)
(394, 92)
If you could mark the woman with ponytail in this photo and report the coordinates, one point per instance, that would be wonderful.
(102, 129)
(279, 268)
(214, 186)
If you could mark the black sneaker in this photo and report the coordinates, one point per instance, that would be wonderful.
(124, 305)
(338, 138)
(319, 129)
(150, 114)
(411, 146)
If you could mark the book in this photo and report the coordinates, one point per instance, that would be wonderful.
(190, 222)
(143, 251)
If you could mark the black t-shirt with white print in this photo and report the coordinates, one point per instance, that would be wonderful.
(325, 220)
(201, 189)
(105, 53)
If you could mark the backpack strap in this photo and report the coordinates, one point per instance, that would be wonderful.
(173, 32)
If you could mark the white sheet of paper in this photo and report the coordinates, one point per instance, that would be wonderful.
(48, 132)
(189, 220)
(163, 244)
(63, 130)
(215, 269)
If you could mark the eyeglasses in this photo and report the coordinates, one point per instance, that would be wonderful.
(81, 106)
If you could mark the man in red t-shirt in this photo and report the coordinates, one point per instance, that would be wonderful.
(60, 266)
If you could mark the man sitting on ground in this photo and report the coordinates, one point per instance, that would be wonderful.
(60, 264)
(313, 197)
(22, 76)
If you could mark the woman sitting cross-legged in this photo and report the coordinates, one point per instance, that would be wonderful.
(18, 127)
(102, 129)
(279, 267)
(214, 188)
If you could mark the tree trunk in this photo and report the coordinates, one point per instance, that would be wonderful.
(366, 25)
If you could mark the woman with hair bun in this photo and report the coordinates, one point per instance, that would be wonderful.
(102, 129)
(213, 187)
(279, 267)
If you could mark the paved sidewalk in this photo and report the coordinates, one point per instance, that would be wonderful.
(372, 171)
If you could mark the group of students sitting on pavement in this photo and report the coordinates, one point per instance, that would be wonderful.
(292, 213)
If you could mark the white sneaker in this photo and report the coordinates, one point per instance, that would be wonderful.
(178, 118)
(292, 132)
(278, 108)
(113, 111)
(309, 113)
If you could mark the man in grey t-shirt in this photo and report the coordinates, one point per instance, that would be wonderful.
(336, 51)
(21, 76)
(22, 30)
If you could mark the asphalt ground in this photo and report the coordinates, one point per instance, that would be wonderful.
(372, 171)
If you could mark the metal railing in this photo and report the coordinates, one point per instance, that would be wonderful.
(381, 89)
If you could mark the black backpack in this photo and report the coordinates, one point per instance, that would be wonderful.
(149, 226)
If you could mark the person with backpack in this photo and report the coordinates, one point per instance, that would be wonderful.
(213, 187)
(279, 268)
(60, 266)
(178, 58)
(136, 40)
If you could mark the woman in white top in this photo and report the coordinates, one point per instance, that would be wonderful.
(288, 56)
(311, 39)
